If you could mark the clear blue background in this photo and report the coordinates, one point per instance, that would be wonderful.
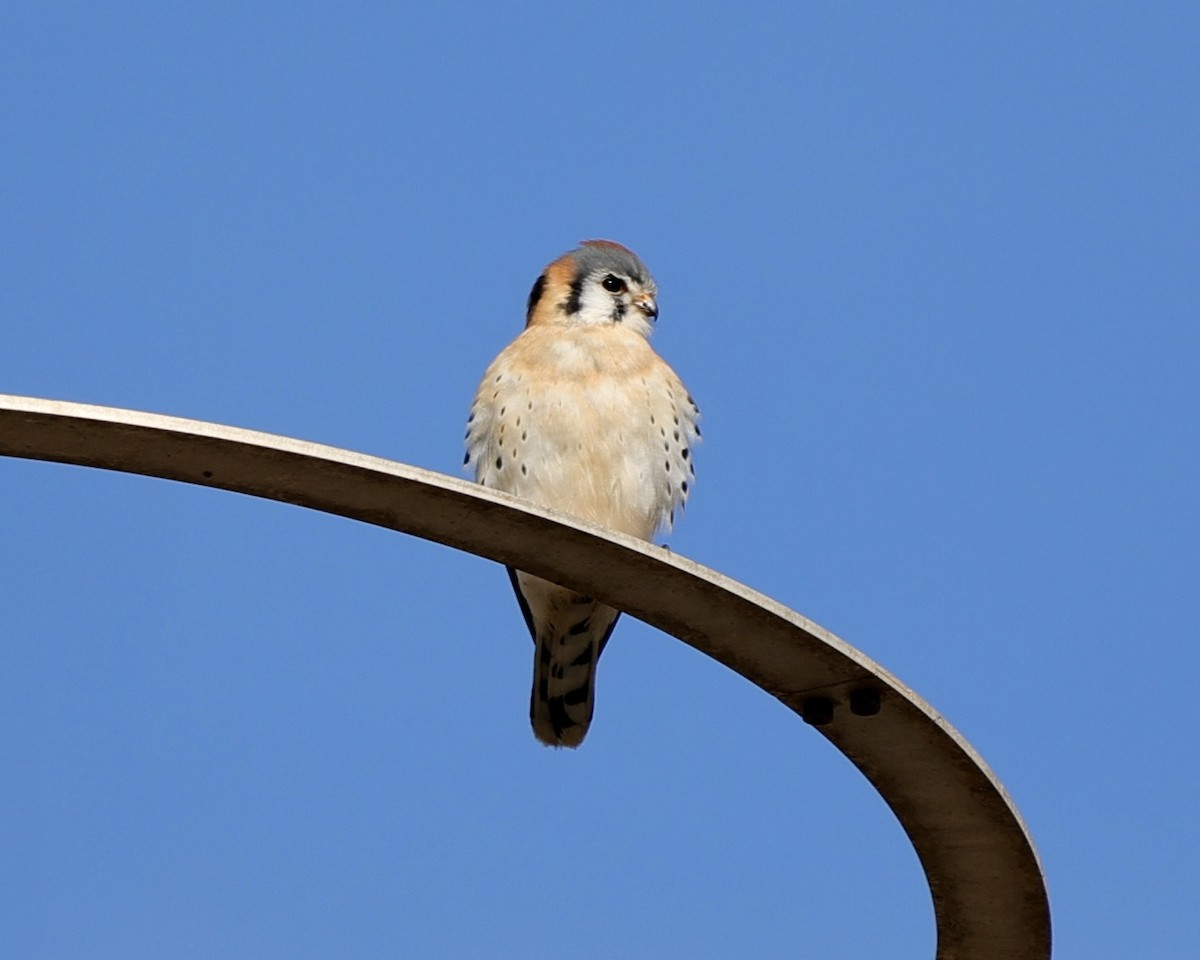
(930, 271)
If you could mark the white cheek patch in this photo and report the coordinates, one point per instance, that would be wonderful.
(595, 305)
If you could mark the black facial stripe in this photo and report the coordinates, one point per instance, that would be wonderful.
(573, 301)
(535, 295)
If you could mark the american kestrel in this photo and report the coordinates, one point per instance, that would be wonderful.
(579, 414)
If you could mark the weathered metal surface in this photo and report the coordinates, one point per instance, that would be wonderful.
(988, 891)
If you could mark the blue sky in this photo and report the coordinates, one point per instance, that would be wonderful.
(930, 272)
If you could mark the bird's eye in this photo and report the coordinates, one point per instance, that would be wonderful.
(613, 284)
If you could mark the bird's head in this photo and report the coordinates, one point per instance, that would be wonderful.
(599, 282)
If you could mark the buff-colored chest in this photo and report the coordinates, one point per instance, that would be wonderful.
(589, 421)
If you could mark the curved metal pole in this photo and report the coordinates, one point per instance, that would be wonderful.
(988, 891)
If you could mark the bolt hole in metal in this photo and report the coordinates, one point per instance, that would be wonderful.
(865, 702)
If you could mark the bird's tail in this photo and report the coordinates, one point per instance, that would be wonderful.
(569, 631)
(564, 684)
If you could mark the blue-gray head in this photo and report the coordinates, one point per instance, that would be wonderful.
(599, 282)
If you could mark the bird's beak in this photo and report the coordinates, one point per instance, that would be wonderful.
(648, 306)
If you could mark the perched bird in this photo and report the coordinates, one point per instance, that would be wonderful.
(579, 414)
